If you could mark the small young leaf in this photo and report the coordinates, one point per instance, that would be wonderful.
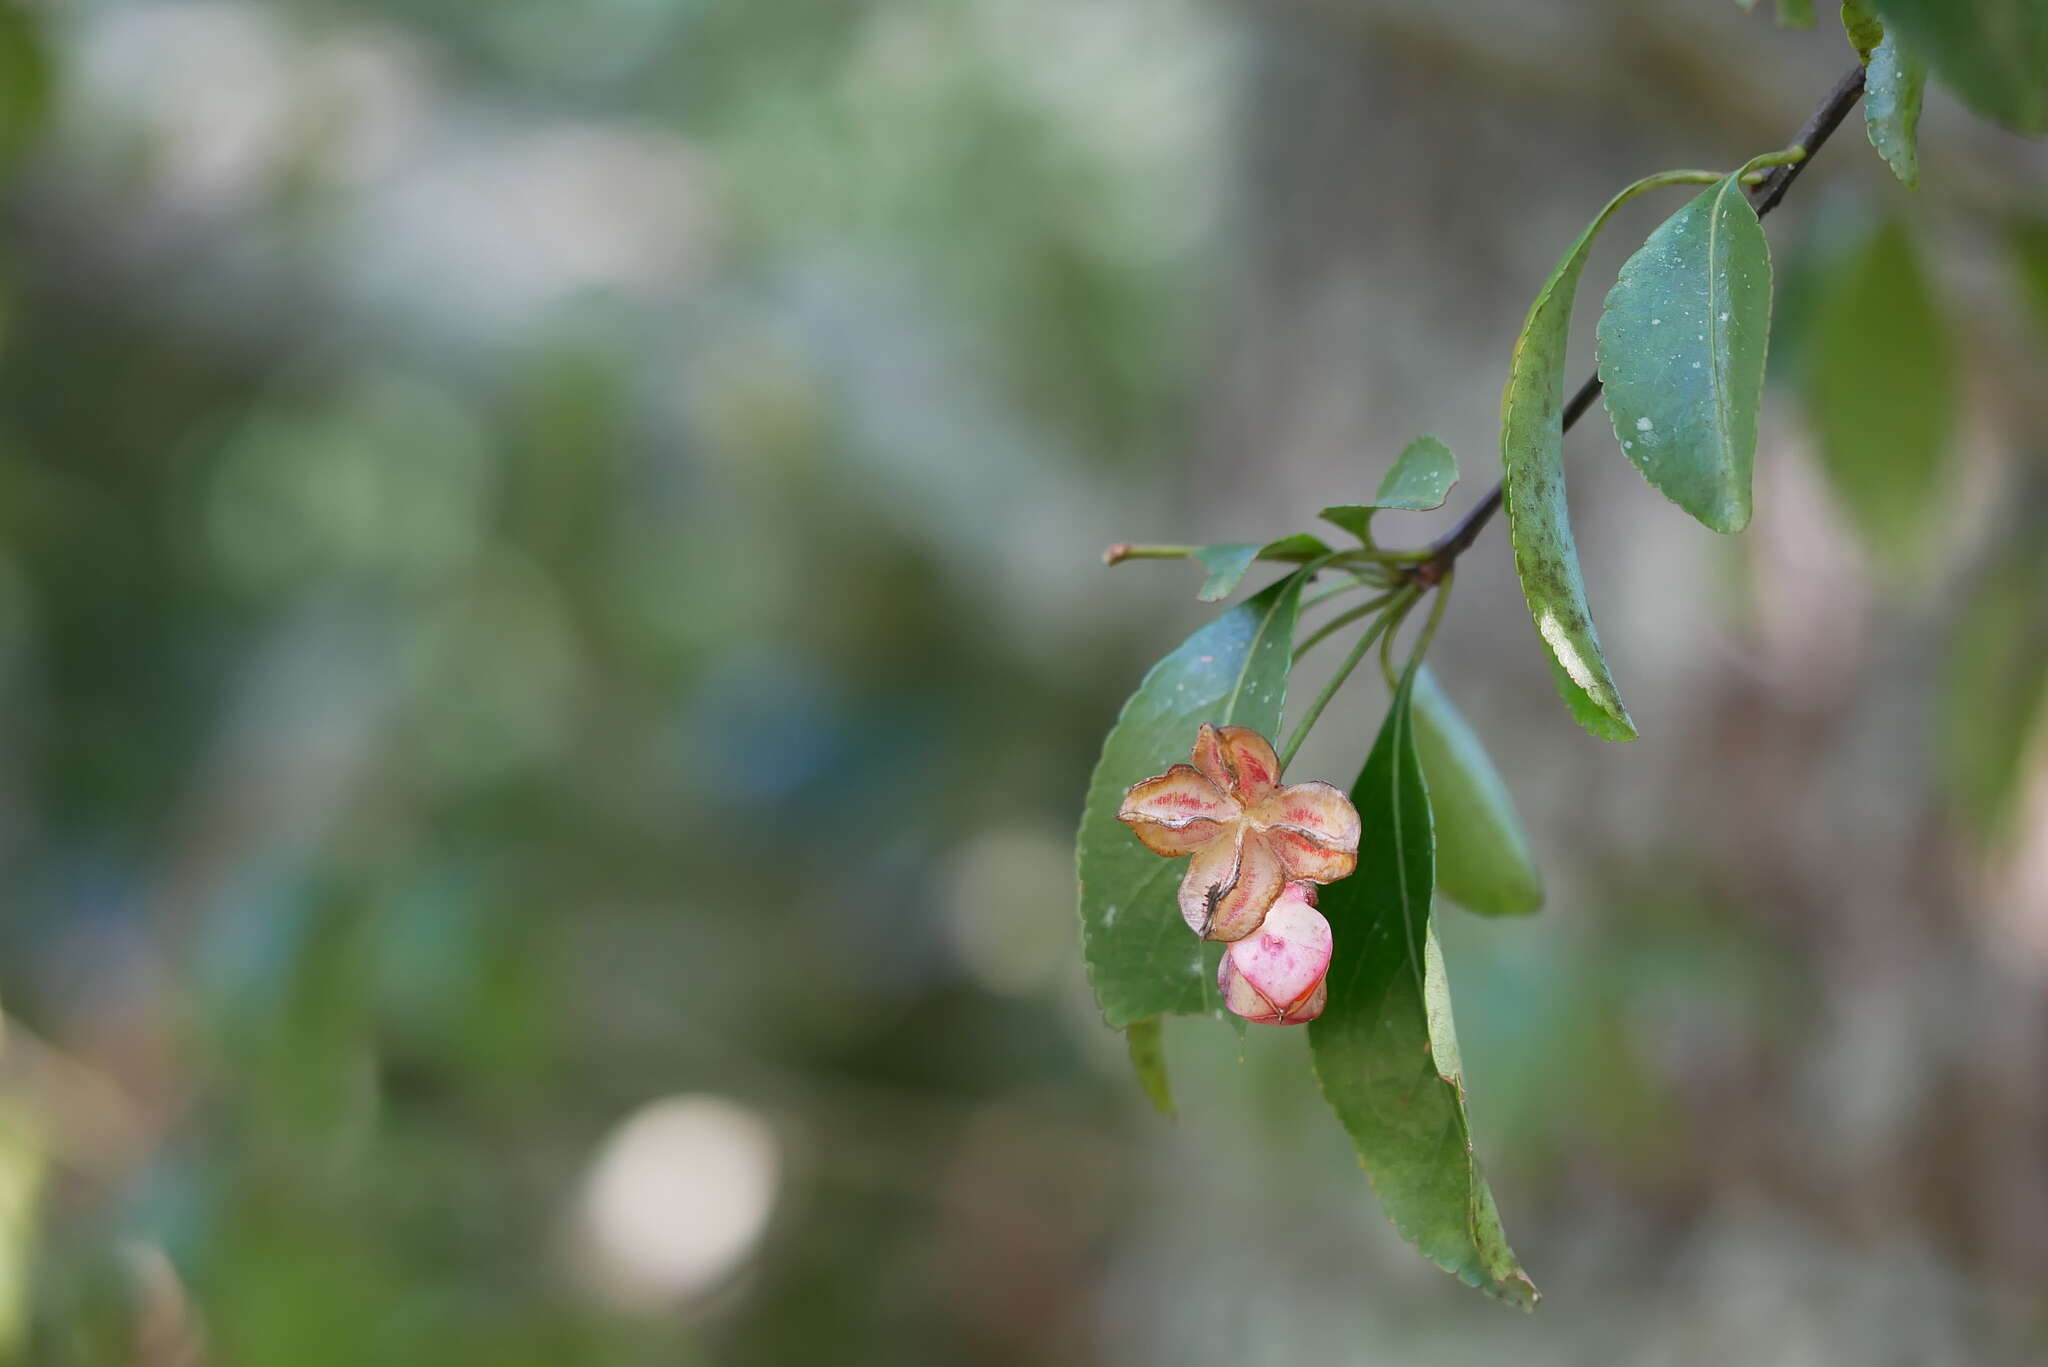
(1880, 392)
(1228, 561)
(1355, 518)
(1992, 53)
(1532, 454)
(1147, 1041)
(1864, 28)
(1483, 858)
(1419, 480)
(1682, 343)
(1140, 956)
(1385, 1050)
(1795, 13)
(1226, 565)
(1300, 547)
(1891, 108)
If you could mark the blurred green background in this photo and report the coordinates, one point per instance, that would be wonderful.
(551, 639)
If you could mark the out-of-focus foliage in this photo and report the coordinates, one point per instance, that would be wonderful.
(497, 630)
(1998, 686)
(1880, 386)
(1992, 53)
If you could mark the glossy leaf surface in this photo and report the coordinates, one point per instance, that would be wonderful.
(1892, 92)
(1141, 958)
(1419, 480)
(1385, 1049)
(1228, 561)
(1226, 565)
(1532, 459)
(1683, 339)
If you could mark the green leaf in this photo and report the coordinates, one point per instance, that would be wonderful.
(1300, 547)
(1880, 391)
(1532, 454)
(1228, 561)
(1992, 53)
(1584, 710)
(1147, 1041)
(1864, 28)
(1385, 1049)
(1795, 13)
(1226, 565)
(1419, 480)
(1483, 858)
(1355, 518)
(1141, 957)
(1894, 83)
(1682, 343)
(1997, 696)
(1891, 108)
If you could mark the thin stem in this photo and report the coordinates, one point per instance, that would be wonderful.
(1315, 709)
(1752, 172)
(1436, 615)
(1819, 128)
(1373, 555)
(1357, 581)
(1340, 621)
(1365, 555)
(1826, 118)
(1387, 644)
(1124, 550)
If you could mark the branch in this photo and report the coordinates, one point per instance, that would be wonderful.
(1766, 194)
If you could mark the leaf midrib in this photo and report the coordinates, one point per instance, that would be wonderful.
(1251, 652)
(1716, 352)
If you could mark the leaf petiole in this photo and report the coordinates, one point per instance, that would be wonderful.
(1124, 550)
(1395, 608)
(1341, 621)
(1436, 615)
(1756, 170)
